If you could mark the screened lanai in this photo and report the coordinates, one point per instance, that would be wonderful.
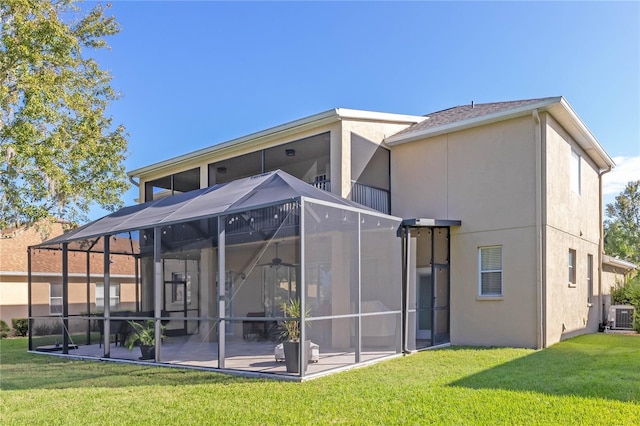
(212, 270)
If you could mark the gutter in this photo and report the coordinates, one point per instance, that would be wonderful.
(627, 266)
(541, 287)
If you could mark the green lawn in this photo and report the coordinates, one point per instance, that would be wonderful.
(593, 379)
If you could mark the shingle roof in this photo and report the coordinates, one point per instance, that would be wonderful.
(466, 112)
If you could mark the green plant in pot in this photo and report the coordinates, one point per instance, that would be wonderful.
(291, 335)
(143, 334)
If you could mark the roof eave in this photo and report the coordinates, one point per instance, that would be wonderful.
(471, 122)
(316, 120)
(565, 114)
(557, 106)
(283, 130)
(619, 262)
(387, 117)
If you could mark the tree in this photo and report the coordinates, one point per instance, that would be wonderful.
(622, 229)
(60, 151)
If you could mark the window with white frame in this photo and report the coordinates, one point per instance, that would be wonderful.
(575, 172)
(490, 271)
(55, 299)
(114, 296)
(572, 267)
(589, 277)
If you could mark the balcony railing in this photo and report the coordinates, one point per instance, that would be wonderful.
(325, 184)
(370, 196)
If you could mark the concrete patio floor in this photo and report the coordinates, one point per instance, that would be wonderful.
(240, 355)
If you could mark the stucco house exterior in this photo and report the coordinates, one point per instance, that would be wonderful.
(497, 239)
(521, 176)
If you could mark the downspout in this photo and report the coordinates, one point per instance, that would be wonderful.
(137, 185)
(540, 281)
(405, 287)
(601, 311)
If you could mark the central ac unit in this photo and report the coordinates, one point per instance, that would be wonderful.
(621, 317)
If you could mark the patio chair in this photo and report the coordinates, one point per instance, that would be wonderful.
(118, 328)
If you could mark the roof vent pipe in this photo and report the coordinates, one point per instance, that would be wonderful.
(472, 104)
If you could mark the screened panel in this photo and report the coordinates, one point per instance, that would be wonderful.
(441, 288)
(381, 335)
(307, 159)
(441, 327)
(412, 342)
(380, 269)
(235, 168)
(441, 246)
(335, 340)
(146, 301)
(331, 260)
(47, 333)
(177, 183)
(197, 349)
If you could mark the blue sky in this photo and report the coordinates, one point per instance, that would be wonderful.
(194, 74)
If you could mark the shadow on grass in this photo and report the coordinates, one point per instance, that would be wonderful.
(593, 366)
(20, 370)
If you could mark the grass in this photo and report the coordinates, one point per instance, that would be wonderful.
(592, 379)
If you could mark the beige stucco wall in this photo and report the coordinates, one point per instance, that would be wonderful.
(14, 294)
(355, 162)
(13, 298)
(572, 222)
(484, 177)
(509, 320)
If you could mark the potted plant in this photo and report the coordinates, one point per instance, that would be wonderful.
(143, 334)
(291, 335)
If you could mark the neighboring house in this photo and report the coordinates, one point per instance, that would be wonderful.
(46, 267)
(497, 208)
(615, 273)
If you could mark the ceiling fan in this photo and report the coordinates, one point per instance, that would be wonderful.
(276, 262)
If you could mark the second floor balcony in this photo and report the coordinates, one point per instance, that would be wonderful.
(376, 198)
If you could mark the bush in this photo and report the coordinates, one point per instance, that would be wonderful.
(56, 328)
(618, 296)
(48, 329)
(4, 329)
(42, 330)
(20, 326)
